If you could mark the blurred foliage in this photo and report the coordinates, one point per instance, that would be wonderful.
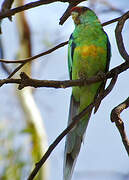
(11, 158)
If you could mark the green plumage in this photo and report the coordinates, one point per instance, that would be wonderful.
(88, 55)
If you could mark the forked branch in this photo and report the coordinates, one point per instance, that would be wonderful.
(115, 117)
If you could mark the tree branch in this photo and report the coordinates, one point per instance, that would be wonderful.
(33, 5)
(36, 56)
(119, 39)
(75, 120)
(6, 5)
(67, 12)
(16, 70)
(65, 16)
(115, 117)
(24, 61)
(26, 81)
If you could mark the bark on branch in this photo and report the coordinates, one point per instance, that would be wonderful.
(115, 117)
(6, 5)
(119, 39)
(27, 81)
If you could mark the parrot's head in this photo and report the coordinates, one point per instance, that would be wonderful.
(81, 13)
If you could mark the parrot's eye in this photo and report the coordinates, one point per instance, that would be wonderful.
(84, 9)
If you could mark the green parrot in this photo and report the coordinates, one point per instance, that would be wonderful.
(88, 55)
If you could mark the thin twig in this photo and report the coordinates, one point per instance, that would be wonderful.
(16, 70)
(119, 39)
(111, 21)
(118, 69)
(24, 7)
(67, 12)
(36, 56)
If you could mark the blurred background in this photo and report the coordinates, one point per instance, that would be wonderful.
(102, 155)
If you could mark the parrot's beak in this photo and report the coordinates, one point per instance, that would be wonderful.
(75, 17)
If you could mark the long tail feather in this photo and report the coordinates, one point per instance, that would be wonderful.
(73, 140)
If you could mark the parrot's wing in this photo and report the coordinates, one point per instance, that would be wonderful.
(71, 48)
(108, 54)
(102, 87)
(71, 139)
(74, 105)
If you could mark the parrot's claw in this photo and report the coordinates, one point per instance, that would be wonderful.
(101, 75)
(83, 75)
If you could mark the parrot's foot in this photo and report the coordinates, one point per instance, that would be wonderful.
(82, 75)
(101, 75)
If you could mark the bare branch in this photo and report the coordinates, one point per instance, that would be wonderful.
(115, 117)
(33, 5)
(24, 61)
(119, 39)
(16, 70)
(75, 120)
(36, 56)
(6, 5)
(24, 7)
(26, 81)
(111, 21)
(118, 69)
(67, 12)
(57, 141)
